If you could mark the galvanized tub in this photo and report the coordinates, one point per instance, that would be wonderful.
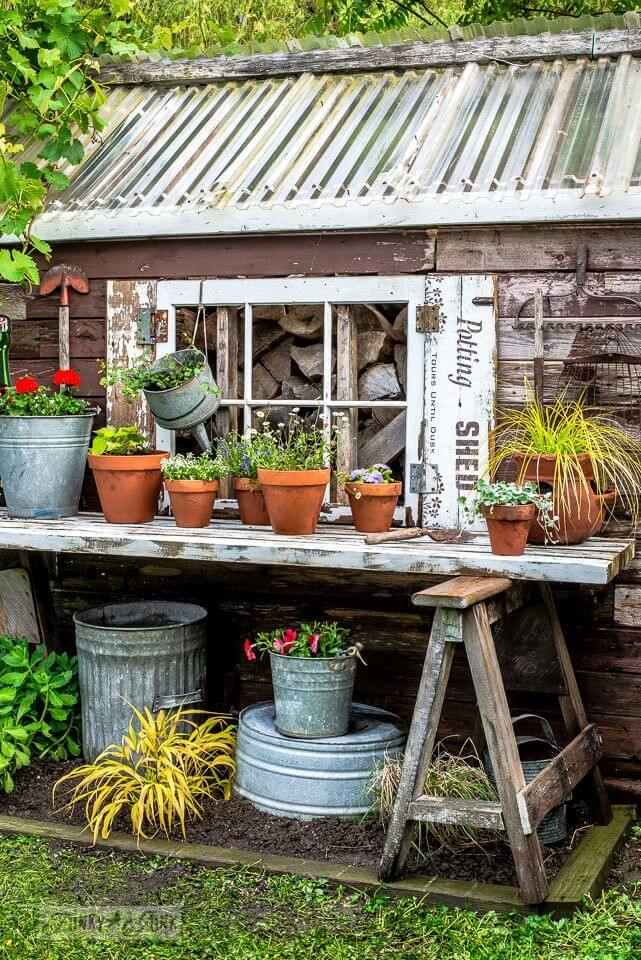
(148, 654)
(312, 696)
(42, 464)
(190, 403)
(305, 779)
(553, 827)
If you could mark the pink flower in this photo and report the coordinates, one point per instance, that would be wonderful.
(313, 642)
(249, 649)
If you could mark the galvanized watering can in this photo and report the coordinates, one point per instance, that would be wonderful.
(189, 405)
(553, 828)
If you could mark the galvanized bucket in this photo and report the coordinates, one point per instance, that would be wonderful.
(312, 696)
(189, 404)
(42, 464)
(306, 779)
(148, 654)
(553, 828)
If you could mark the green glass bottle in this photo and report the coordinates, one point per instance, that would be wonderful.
(5, 343)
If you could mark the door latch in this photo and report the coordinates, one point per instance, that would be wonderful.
(151, 326)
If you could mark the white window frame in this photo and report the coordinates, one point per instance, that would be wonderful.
(329, 292)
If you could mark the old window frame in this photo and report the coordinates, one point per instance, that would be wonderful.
(331, 292)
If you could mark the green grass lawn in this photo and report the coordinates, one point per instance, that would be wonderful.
(58, 902)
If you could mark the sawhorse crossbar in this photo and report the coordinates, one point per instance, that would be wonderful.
(464, 610)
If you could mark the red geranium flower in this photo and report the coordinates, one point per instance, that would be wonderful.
(66, 378)
(249, 649)
(27, 385)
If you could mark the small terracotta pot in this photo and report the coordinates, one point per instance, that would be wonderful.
(508, 527)
(372, 505)
(578, 506)
(294, 499)
(192, 501)
(251, 502)
(128, 487)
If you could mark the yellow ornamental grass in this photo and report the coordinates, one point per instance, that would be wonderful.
(158, 776)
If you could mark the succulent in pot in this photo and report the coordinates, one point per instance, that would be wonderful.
(44, 438)
(236, 451)
(509, 509)
(313, 667)
(127, 474)
(293, 471)
(579, 454)
(192, 485)
(373, 494)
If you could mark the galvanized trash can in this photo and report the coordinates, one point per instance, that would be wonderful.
(306, 779)
(149, 654)
(553, 828)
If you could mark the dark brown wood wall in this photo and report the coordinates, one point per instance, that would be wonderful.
(604, 626)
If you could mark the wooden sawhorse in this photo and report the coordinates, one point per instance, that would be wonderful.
(464, 610)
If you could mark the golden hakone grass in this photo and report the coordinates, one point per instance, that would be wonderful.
(158, 775)
(569, 430)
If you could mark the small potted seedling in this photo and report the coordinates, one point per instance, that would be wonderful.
(509, 509)
(373, 494)
(192, 485)
(235, 451)
(313, 669)
(127, 474)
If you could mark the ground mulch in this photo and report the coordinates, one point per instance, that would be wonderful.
(239, 825)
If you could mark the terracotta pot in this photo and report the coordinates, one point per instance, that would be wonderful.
(372, 505)
(192, 501)
(578, 506)
(294, 499)
(508, 527)
(128, 487)
(251, 502)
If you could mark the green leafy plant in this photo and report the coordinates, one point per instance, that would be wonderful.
(315, 639)
(38, 706)
(503, 494)
(569, 430)
(294, 445)
(119, 441)
(28, 398)
(132, 377)
(157, 776)
(237, 452)
(190, 467)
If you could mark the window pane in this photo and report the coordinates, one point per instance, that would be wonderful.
(288, 353)
(378, 334)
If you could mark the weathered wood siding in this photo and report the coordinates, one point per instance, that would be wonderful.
(604, 625)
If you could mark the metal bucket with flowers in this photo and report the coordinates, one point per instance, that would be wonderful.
(313, 670)
(44, 438)
(373, 494)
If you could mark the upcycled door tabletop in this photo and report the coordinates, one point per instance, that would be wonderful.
(597, 561)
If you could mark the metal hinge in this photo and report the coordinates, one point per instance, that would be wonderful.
(427, 318)
(418, 478)
(151, 326)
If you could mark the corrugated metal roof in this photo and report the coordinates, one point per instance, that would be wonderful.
(479, 143)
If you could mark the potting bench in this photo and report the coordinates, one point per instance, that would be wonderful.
(485, 589)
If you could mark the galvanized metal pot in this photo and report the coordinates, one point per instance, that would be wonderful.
(312, 696)
(306, 779)
(42, 464)
(190, 403)
(135, 654)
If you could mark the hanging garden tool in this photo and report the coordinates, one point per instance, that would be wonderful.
(5, 343)
(64, 276)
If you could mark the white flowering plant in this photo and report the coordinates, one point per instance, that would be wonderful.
(191, 467)
(295, 445)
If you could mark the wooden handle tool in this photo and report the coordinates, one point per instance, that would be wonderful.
(413, 533)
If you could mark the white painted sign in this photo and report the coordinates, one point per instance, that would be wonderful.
(460, 390)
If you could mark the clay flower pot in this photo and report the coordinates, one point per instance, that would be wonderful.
(251, 502)
(373, 504)
(508, 527)
(192, 501)
(128, 486)
(294, 499)
(579, 508)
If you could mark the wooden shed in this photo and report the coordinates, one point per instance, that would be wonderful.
(366, 226)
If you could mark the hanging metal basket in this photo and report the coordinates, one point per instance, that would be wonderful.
(553, 828)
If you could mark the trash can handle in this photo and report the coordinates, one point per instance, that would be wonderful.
(168, 701)
(545, 726)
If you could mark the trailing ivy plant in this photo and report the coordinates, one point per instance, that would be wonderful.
(38, 706)
(50, 97)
